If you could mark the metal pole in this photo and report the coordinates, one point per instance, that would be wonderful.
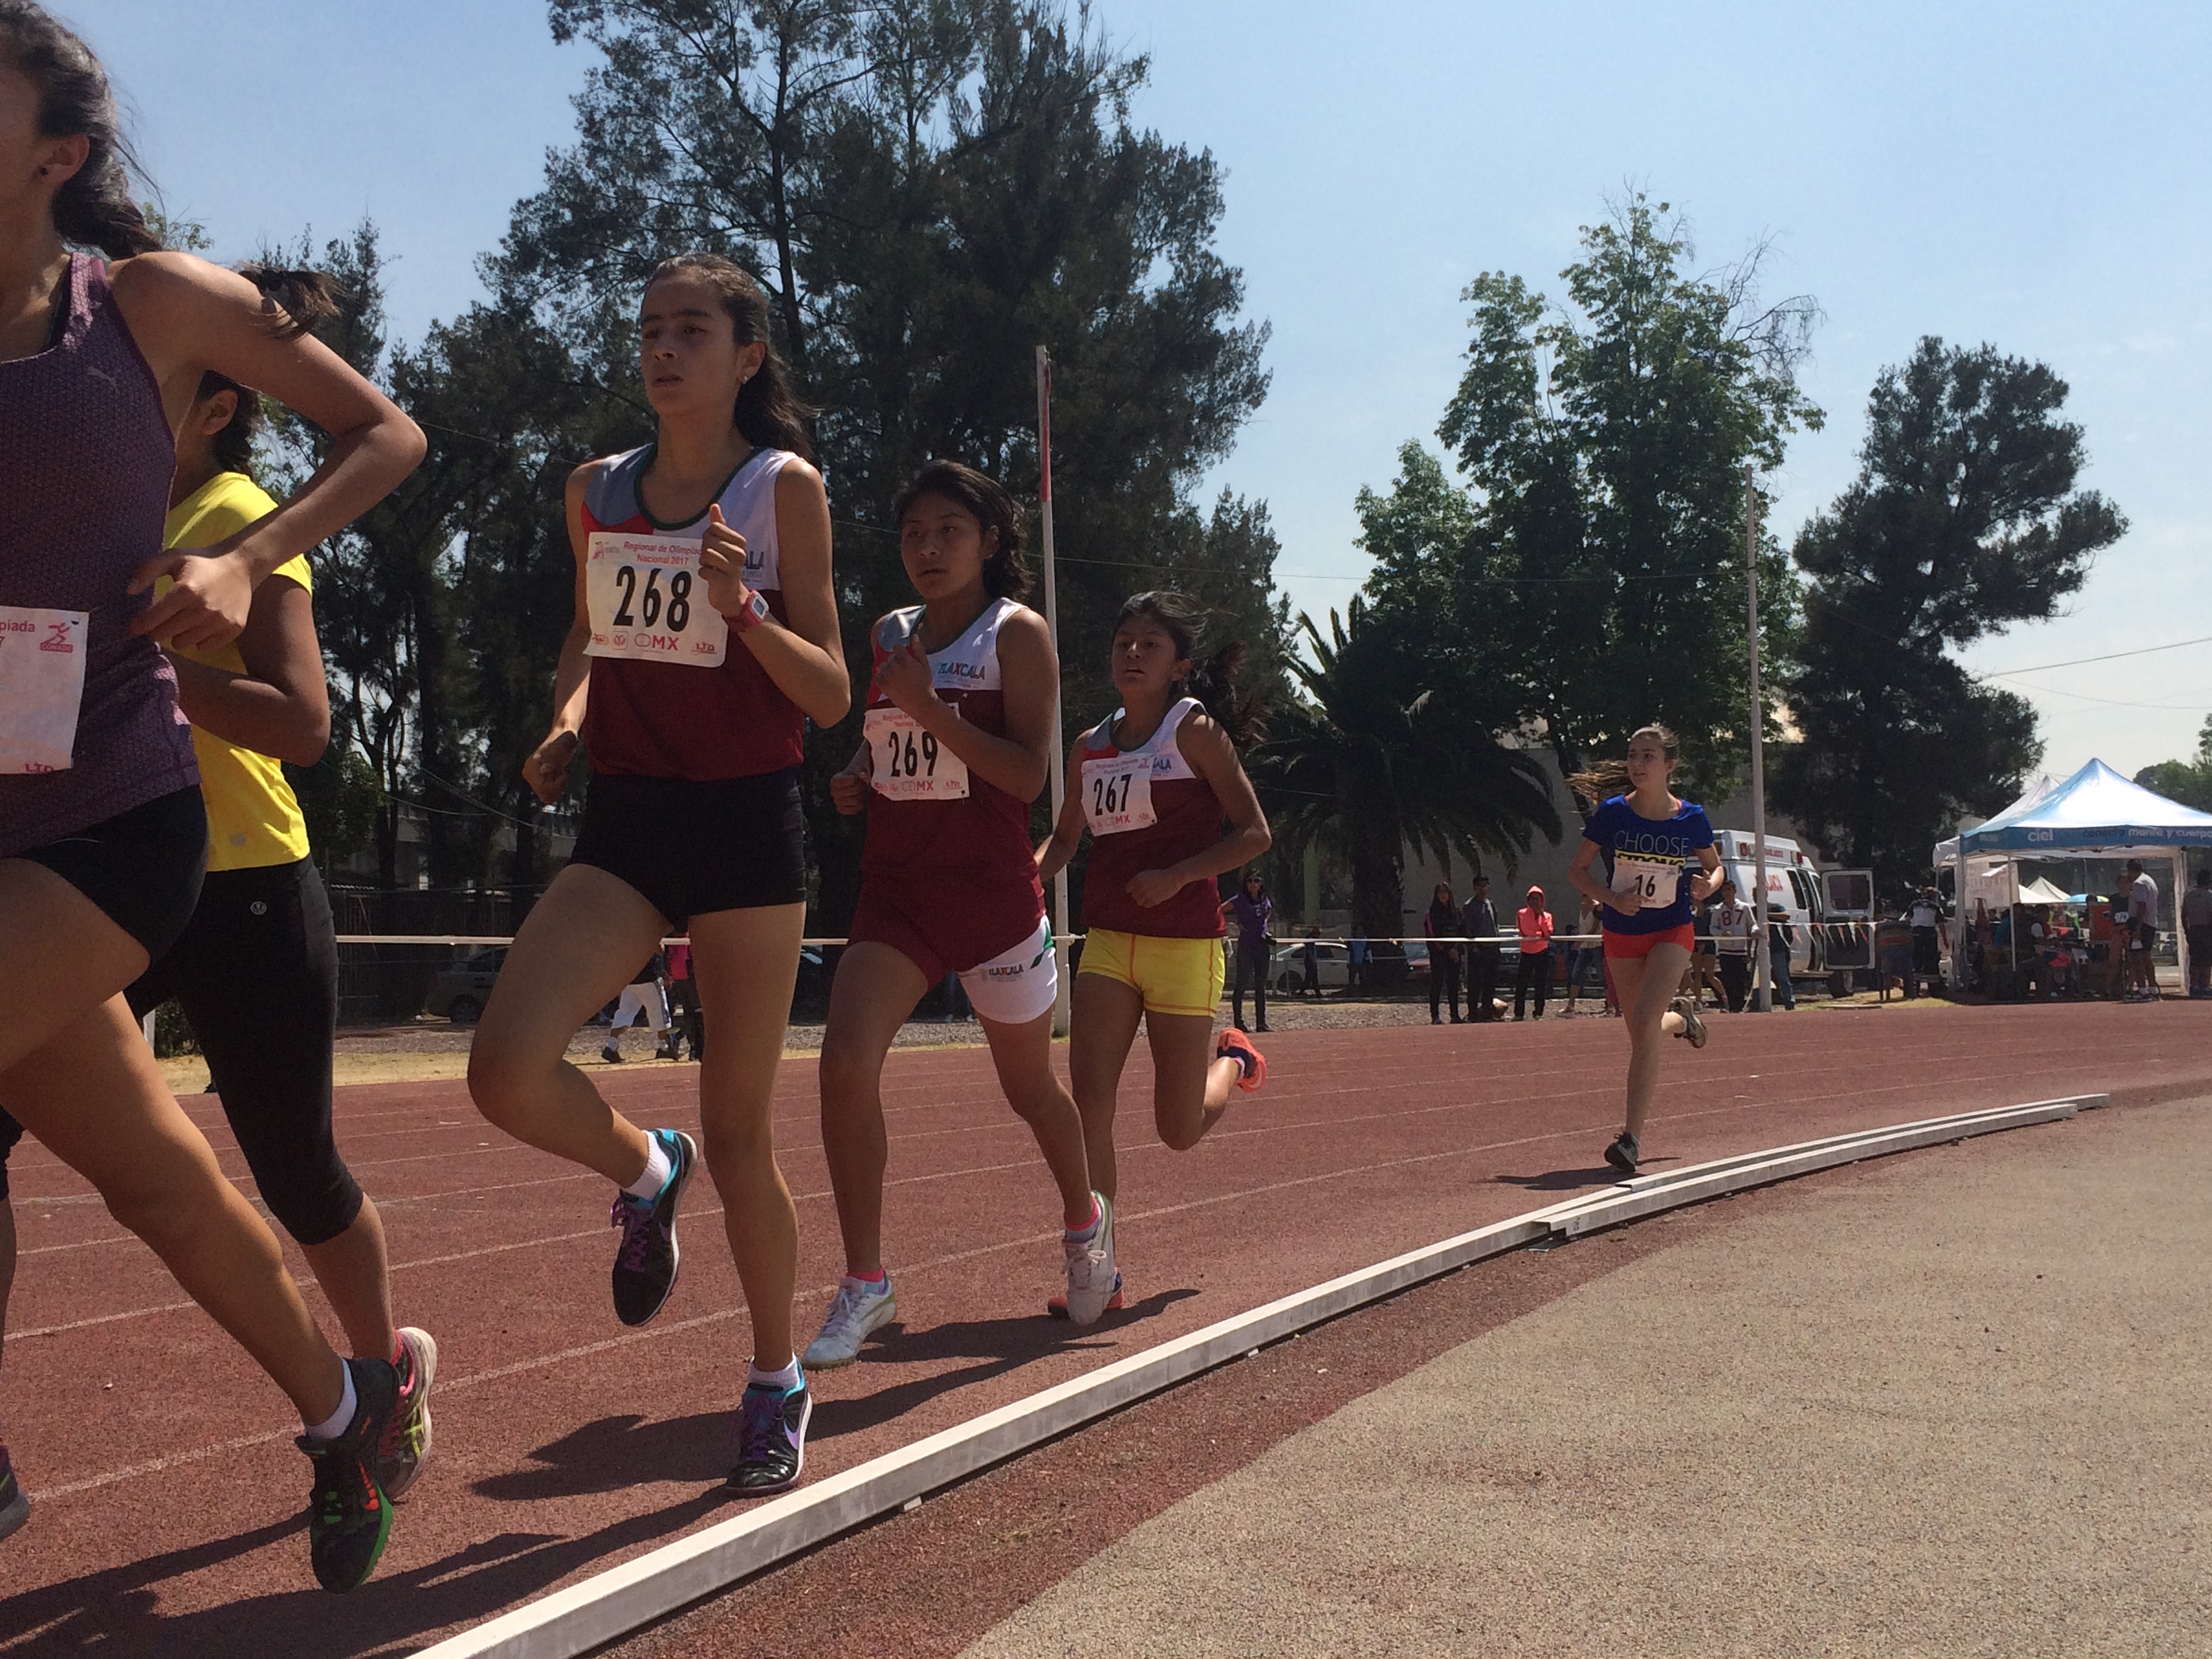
(1060, 923)
(1762, 977)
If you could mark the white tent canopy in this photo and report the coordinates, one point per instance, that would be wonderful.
(1947, 851)
(2094, 813)
(2040, 891)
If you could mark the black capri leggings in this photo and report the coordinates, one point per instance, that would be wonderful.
(256, 973)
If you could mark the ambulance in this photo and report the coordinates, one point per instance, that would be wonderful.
(1830, 912)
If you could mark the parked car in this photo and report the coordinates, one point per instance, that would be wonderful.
(460, 992)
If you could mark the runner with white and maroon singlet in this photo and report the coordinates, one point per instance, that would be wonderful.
(1647, 840)
(1160, 788)
(958, 743)
(705, 636)
(103, 835)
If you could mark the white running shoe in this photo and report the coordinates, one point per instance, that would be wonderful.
(1693, 1024)
(1091, 1269)
(854, 1312)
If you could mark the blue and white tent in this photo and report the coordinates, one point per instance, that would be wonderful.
(2096, 813)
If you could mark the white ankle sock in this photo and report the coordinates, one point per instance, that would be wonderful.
(341, 1419)
(786, 1378)
(658, 1169)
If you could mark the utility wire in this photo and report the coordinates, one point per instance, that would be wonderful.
(2109, 656)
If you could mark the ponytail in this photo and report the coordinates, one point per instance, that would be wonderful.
(95, 208)
(1212, 679)
(1609, 778)
(768, 411)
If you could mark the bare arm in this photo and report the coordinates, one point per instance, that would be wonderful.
(546, 771)
(1020, 763)
(805, 656)
(1581, 874)
(1067, 833)
(1707, 881)
(1214, 757)
(187, 317)
(281, 705)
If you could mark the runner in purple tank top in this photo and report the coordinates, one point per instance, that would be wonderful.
(103, 833)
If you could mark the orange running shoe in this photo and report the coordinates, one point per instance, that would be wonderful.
(1236, 1046)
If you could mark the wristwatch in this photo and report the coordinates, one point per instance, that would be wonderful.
(749, 614)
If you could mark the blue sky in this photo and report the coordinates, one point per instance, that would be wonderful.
(2029, 174)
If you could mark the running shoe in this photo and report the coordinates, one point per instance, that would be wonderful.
(1693, 1024)
(645, 1265)
(1057, 1305)
(348, 1517)
(857, 1308)
(1090, 1265)
(610, 1054)
(1624, 1153)
(1235, 1045)
(406, 1442)
(771, 1439)
(15, 1502)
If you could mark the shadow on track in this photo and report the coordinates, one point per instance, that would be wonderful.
(117, 1613)
(615, 1453)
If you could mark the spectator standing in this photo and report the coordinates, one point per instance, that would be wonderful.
(2197, 926)
(1705, 970)
(1732, 928)
(646, 994)
(1249, 910)
(1481, 925)
(1579, 952)
(1535, 922)
(688, 1020)
(1779, 938)
(2142, 929)
(1355, 957)
(1926, 916)
(1446, 926)
(1309, 959)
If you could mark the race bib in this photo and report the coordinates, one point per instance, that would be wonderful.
(910, 764)
(1117, 793)
(41, 687)
(648, 601)
(1658, 879)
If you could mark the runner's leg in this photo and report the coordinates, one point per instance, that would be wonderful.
(1646, 985)
(1022, 1056)
(876, 987)
(1103, 1021)
(746, 962)
(577, 949)
(1190, 1082)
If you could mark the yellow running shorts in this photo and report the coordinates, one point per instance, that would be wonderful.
(1173, 976)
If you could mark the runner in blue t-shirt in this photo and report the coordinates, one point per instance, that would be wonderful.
(1646, 839)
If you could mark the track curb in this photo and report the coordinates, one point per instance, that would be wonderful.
(623, 1599)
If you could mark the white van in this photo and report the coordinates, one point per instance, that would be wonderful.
(1830, 912)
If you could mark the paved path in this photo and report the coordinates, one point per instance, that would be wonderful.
(1952, 1404)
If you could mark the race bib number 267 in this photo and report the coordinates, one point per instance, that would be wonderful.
(648, 601)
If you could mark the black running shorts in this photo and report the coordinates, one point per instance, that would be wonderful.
(142, 867)
(691, 847)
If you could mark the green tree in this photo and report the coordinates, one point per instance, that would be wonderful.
(1604, 448)
(1374, 759)
(2189, 781)
(925, 194)
(1963, 520)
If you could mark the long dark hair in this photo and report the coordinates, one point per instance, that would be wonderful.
(1609, 778)
(95, 208)
(768, 410)
(1212, 678)
(1007, 572)
(303, 301)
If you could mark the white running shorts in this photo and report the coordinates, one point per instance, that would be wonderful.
(1018, 985)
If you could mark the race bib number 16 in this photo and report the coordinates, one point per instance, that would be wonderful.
(42, 685)
(1656, 879)
(649, 602)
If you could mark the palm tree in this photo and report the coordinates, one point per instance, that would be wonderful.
(1386, 751)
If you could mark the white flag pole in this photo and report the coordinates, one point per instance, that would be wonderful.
(1762, 997)
(1060, 924)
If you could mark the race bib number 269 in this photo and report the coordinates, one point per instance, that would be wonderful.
(648, 601)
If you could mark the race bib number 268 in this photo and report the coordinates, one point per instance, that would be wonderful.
(649, 602)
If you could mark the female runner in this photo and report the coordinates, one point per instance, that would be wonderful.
(705, 636)
(256, 970)
(1647, 840)
(1160, 788)
(959, 741)
(103, 835)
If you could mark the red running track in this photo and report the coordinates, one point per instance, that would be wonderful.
(168, 1498)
